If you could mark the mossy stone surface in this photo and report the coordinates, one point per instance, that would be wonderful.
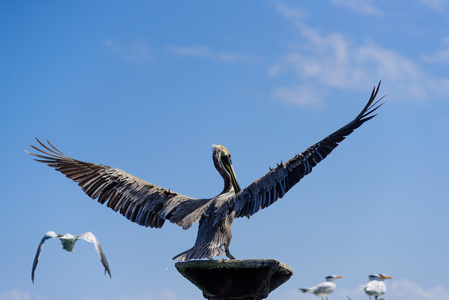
(235, 279)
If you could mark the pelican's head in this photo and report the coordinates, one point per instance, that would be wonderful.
(332, 278)
(223, 163)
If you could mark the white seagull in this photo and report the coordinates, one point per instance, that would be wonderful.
(376, 285)
(68, 242)
(323, 289)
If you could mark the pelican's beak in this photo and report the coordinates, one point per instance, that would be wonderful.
(234, 180)
(228, 166)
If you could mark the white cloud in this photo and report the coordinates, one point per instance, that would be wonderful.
(360, 6)
(200, 51)
(402, 289)
(437, 5)
(165, 295)
(331, 60)
(409, 290)
(14, 295)
(169, 295)
(440, 56)
(203, 51)
(301, 95)
(136, 51)
(292, 294)
(233, 57)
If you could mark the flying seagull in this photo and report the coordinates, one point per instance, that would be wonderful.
(150, 205)
(68, 242)
(376, 286)
(323, 289)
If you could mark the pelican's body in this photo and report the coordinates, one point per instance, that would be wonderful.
(150, 205)
(212, 235)
(68, 242)
(376, 286)
(323, 289)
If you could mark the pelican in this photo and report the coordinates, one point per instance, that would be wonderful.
(68, 242)
(323, 289)
(150, 205)
(376, 285)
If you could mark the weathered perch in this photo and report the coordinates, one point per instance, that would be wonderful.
(251, 279)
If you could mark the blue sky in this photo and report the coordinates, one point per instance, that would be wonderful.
(148, 87)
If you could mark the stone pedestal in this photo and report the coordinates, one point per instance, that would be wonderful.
(251, 279)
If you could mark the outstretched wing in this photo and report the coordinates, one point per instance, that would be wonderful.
(138, 200)
(267, 189)
(47, 236)
(88, 236)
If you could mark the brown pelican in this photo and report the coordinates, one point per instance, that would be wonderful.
(150, 205)
(68, 242)
(376, 286)
(323, 289)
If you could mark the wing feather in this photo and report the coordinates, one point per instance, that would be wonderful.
(37, 257)
(139, 201)
(267, 189)
(89, 237)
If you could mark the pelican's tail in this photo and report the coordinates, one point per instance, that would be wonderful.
(306, 290)
(199, 253)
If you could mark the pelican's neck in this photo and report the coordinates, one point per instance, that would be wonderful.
(230, 183)
(216, 156)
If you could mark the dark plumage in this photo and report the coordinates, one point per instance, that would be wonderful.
(150, 205)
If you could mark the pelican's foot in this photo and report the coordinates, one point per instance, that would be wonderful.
(228, 254)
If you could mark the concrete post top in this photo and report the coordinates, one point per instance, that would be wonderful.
(235, 279)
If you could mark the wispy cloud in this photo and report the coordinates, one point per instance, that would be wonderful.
(439, 56)
(199, 51)
(359, 6)
(332, 60)
(169, 295)
(437, 5)
(204, 51)
(136, 51)
(402, 289)
(165, 295)
(14, 294)
(141, 297)
(301, 94)
(406, 289)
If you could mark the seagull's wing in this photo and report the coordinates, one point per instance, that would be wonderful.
(267, 189)
(307, 290)
(372, 287)
(88, 236)
(138, 200)
(47, 236)
(381, 288)
(324, 288)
